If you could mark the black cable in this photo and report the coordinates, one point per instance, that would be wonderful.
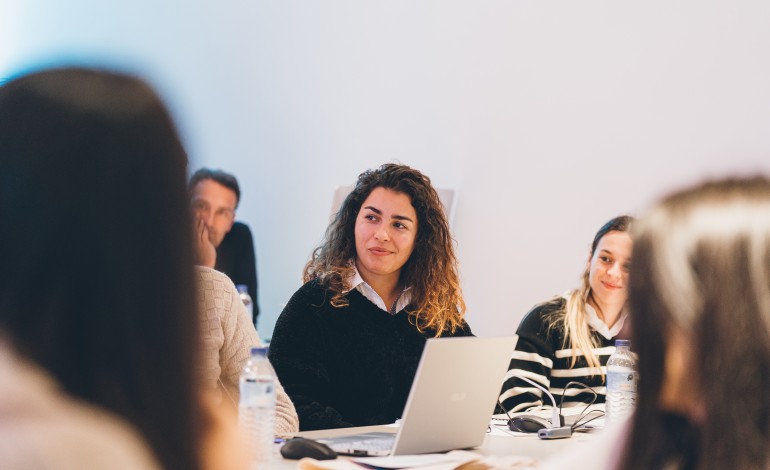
(500, 405)
(584, 386)
(583, 413)
(578, 424)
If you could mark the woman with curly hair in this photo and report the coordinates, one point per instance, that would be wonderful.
(346, 346)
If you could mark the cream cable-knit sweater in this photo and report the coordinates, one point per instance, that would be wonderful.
(228, 335)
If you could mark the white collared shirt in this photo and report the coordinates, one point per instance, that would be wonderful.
(597, 324)
(358, 283)
(600, 327)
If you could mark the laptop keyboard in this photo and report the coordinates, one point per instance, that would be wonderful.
(375, 446)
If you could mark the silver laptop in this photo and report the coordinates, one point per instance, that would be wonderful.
(451, 401)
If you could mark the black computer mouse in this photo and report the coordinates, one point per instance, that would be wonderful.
(300, 447)
(528, 423)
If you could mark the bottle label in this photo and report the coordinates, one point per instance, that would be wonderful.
(621, 381)
(257, 391)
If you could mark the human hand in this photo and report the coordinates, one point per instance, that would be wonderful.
(205, 253)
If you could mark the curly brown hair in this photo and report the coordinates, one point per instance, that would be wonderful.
(432, 269)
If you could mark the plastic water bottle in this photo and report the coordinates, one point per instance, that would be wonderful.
(256, 408)
(621, 382)
(243, 293)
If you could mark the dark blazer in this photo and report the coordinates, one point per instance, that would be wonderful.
(236, 257)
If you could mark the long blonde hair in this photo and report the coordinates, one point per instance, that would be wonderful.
(577, 334)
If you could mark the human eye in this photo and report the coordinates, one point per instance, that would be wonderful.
(223, 212)
(605, 259)
(200, 206)
(370, 217)
(399, 225)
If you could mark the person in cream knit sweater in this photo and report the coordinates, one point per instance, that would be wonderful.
(228, 335)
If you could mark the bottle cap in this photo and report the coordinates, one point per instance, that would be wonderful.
(259, 351)
(622, 342)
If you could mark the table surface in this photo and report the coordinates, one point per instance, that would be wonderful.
(494, 445)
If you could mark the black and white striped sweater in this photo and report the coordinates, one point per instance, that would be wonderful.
(542, 356)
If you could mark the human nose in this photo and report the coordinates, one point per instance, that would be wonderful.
(382, 233)
(615, 270)
(205, 215)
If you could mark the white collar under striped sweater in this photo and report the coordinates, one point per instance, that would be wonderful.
(358, 283)
(598, 325)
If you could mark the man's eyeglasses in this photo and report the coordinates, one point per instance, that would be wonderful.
(203, 208)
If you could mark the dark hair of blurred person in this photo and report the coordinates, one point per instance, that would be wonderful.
(97, 281)
(699, 295)
(218, 176)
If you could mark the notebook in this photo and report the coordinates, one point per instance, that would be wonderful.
(452, 398)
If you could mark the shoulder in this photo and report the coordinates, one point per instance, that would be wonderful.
(44, 428)
(311, 294)
(541, 315)
(205, 273)
(216, 291)
(235, 242)
(463, 329)
(239, 230)
(312, 288)
(213, 283)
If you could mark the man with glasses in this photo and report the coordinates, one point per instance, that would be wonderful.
(221, 242)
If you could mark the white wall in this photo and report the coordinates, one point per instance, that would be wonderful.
(547, 117)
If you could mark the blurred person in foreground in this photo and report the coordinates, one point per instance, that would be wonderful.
(97, 285)
(699, 298)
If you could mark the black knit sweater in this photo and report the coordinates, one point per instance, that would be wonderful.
(350, 366)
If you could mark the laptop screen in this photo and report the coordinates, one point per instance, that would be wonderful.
(452, 398)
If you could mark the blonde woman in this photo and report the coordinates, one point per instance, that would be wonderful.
(570, 337)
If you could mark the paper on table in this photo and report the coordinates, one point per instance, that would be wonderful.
(448, 461)
(500, 428)
(454, 460)
(337, 464)
(421, 462)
